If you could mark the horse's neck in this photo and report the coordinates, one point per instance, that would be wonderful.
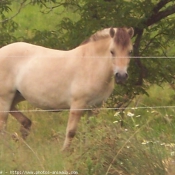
(98, 54)
(98, 48)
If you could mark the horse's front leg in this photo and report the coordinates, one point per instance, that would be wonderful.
(74, 117)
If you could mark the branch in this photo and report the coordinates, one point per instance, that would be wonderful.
(161, 4)
(151, 40)
(64, 4)
(49, 9)
(156, 17)
(139, 33)
(142, 69)
(19, 10)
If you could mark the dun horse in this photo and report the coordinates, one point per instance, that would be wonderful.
(55, 79)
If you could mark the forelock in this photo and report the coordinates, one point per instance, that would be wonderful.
(122, 37)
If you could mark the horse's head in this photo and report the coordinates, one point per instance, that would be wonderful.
(120, 50)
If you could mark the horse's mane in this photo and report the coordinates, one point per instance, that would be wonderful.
(97, 36)
(121, 36)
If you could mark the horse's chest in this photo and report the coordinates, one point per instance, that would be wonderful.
(100, 94)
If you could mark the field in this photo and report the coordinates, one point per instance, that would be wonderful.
(144, 145)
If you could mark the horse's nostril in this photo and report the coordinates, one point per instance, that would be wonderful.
(126, 75)
(117, 75)
(120, 77)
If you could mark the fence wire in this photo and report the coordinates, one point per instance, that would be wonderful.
(88, 109)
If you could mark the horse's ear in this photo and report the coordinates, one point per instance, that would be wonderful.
(131, 32)
(112, 32)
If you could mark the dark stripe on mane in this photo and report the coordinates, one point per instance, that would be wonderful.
(122, 37)
(85, 41)
(97, 36)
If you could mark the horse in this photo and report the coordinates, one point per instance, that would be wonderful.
(53, 79)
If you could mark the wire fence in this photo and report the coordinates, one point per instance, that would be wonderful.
(57, 56)
(88, 109)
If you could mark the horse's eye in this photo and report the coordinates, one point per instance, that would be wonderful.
(112, 52)
(130, 52)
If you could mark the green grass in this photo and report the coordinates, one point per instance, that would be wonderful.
(144, 145)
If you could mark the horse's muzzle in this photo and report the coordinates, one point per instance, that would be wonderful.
(120, 78)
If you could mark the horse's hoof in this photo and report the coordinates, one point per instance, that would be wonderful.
(24, 132)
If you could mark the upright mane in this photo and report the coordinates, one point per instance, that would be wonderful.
(121, 36)
(97, 36)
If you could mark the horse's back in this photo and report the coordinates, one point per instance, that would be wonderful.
(16, 57)
(13, 58)
(20, 49)
(37, 73)
(15, 53)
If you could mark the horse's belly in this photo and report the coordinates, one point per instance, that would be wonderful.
(47, 100)
(44, 90)
(50, 103)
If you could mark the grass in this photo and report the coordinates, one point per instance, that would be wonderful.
(144, 145)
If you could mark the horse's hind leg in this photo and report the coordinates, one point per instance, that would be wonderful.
(20, 117)
(25, 122)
